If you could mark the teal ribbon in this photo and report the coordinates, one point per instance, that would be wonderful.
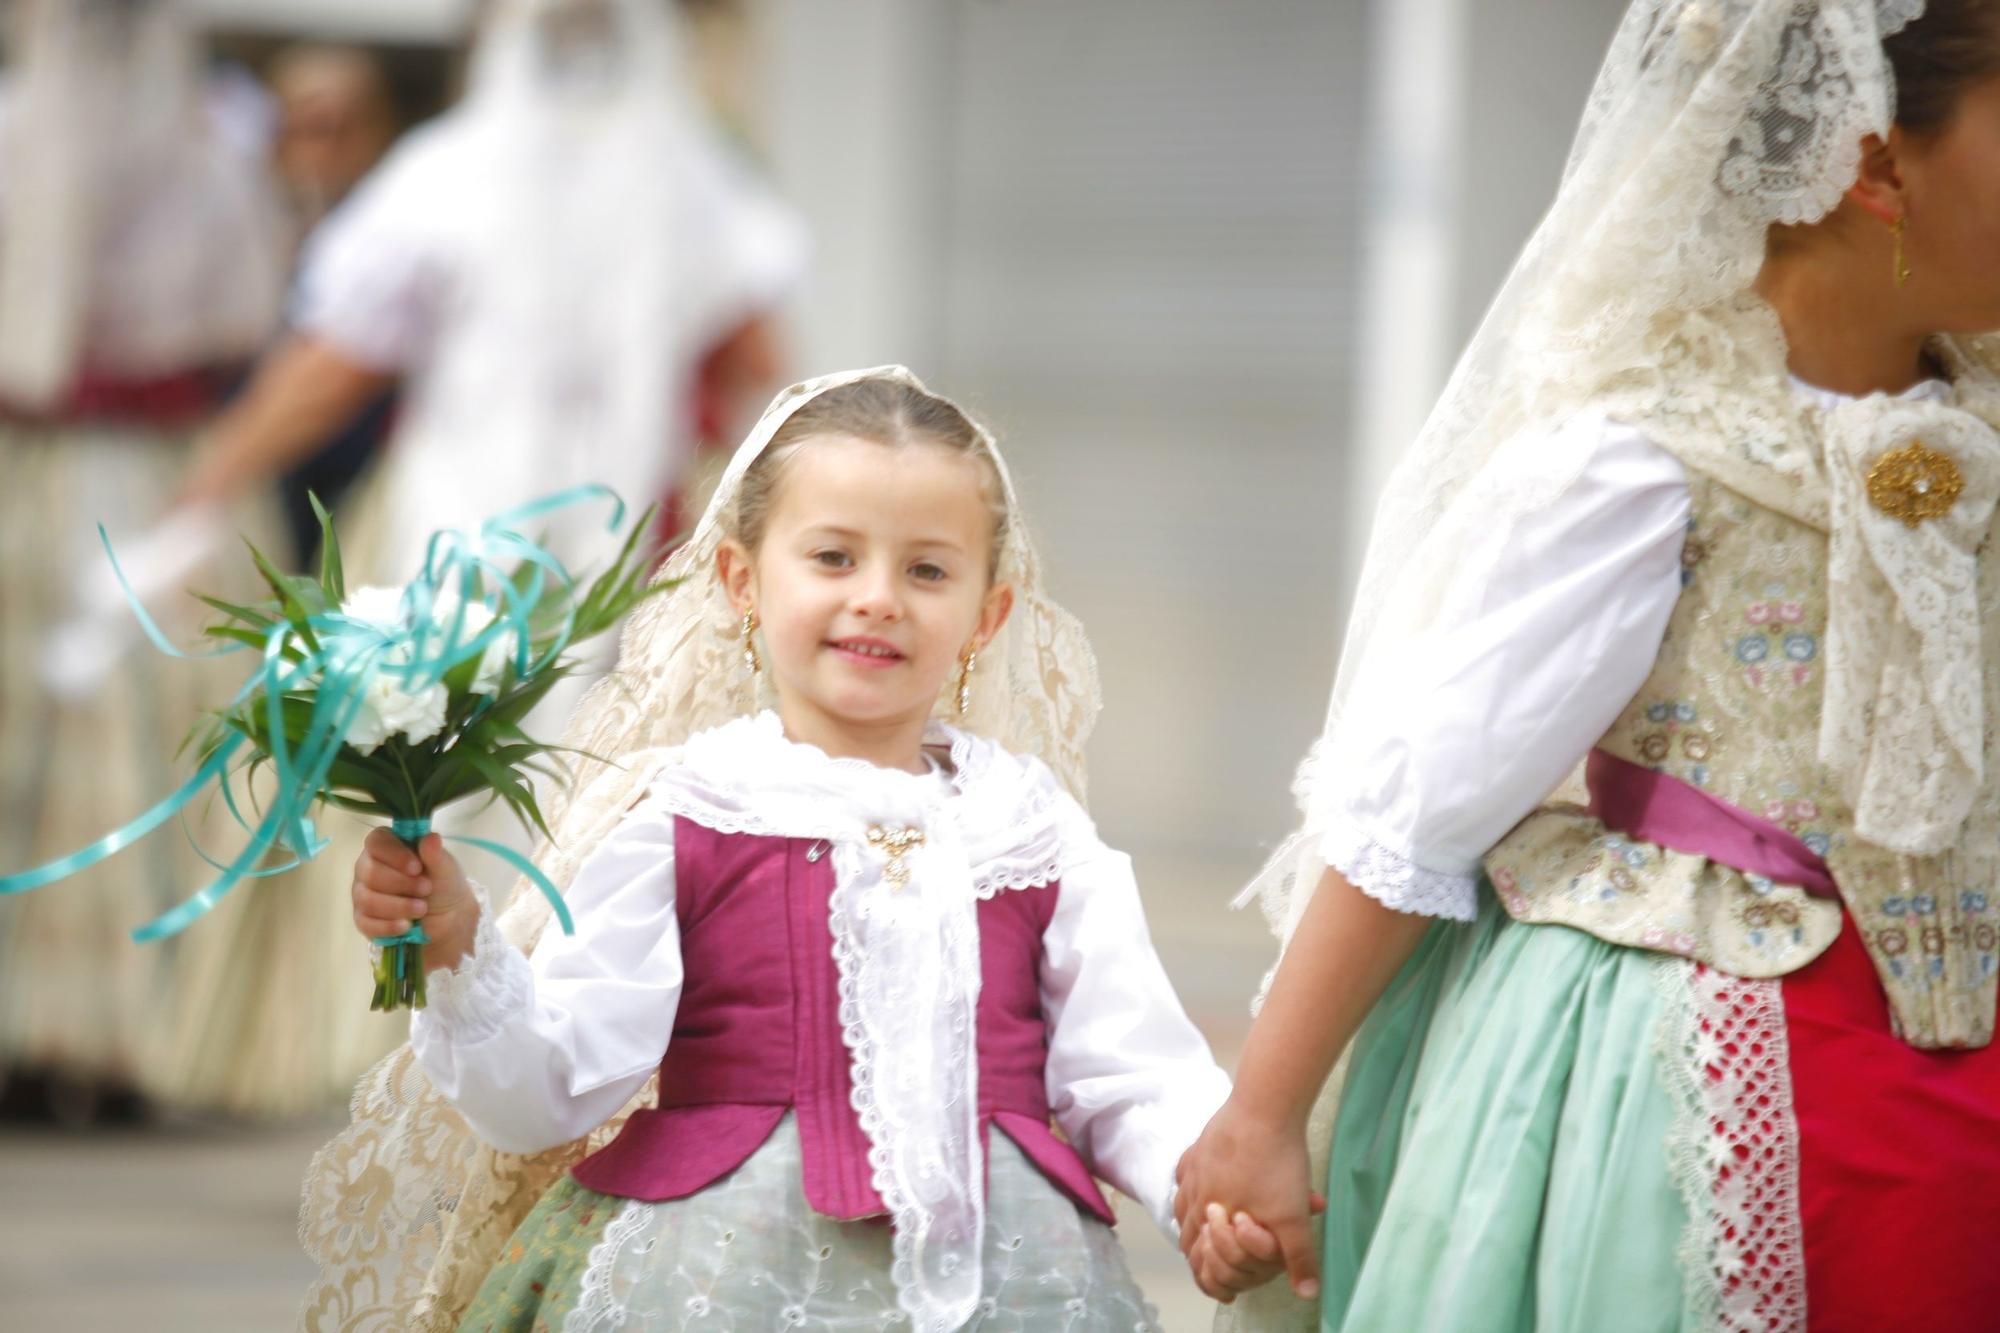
(337, 657)
(411, 831)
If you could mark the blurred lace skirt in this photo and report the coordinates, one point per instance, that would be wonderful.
(750, 1253)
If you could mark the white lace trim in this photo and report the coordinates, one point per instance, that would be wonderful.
(1021, 830)
(908, 1004)
(1733, 1149)
(488, 989)
(597, 1306)
(1393, 879)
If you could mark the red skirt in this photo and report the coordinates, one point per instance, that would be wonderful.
(1899, 1160)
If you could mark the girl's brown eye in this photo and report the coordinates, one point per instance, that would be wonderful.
(929, 573)
(832, 559)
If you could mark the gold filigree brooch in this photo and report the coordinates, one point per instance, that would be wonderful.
(1915, 483)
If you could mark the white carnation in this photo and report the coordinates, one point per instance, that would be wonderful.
(380, 607)
(387, 708)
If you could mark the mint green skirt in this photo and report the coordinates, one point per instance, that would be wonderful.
(1500, 1156)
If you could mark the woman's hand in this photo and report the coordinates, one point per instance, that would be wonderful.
(1248, 1176)
(395, 888)
(1252, 1158)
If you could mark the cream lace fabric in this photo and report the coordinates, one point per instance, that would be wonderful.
(1904, 720)
(405, 1209)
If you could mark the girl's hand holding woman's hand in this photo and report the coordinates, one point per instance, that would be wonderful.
(1248, 1178)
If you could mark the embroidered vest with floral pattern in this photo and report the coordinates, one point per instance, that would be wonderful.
(1733, 707)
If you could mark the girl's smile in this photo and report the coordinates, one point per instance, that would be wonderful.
(869, 654)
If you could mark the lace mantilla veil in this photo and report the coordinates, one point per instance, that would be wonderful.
(406, 1210)
(1711, 121)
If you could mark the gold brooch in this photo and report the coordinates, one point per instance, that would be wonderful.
(895, 844)
(1915, 483)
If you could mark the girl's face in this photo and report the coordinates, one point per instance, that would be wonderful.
(870, 583)
(1952, 191)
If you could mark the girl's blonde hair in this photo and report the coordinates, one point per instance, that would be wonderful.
(883, 411)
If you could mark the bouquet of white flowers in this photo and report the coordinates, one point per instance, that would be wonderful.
(392, 702)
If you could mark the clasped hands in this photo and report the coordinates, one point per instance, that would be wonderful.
(1245, 1205)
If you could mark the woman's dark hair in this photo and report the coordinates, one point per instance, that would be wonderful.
(1939, 57)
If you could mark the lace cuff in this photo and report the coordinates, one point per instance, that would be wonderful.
(1394, 880)
(490, 987)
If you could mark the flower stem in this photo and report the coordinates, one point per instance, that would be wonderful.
(399, 972)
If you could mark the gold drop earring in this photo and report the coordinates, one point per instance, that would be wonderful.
(968, 661)
(1896, 229)
(750, 643)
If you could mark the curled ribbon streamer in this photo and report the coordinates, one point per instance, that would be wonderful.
(339, 655)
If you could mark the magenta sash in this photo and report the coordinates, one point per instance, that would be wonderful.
(1655, 807)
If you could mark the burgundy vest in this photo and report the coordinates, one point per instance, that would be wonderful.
(757, 1033)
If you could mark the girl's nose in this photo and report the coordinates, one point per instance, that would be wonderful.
(875, 596)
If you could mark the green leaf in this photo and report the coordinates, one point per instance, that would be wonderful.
(510, 788)
(260, 617)
(332, 577)
(520, 701)
(285, 586)
(252, 639)
(436, 788)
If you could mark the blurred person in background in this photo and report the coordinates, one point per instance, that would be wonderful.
(558, 269)
(337, 119)
(141, 262)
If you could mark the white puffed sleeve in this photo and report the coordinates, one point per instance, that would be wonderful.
(1550, 624)
(376, 272)
(535, 1053)
(1130, 1078)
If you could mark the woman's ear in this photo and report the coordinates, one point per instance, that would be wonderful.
(733, 567)
(993, 613)
(1878, 188)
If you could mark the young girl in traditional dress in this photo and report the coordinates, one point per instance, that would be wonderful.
(1707, 511)
(869, 954)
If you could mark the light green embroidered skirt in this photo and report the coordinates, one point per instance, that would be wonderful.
(748, 1253)
(1500, 1154)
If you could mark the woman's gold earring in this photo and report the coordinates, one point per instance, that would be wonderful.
(967, 663)
(750, 643)
(1896, 229)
